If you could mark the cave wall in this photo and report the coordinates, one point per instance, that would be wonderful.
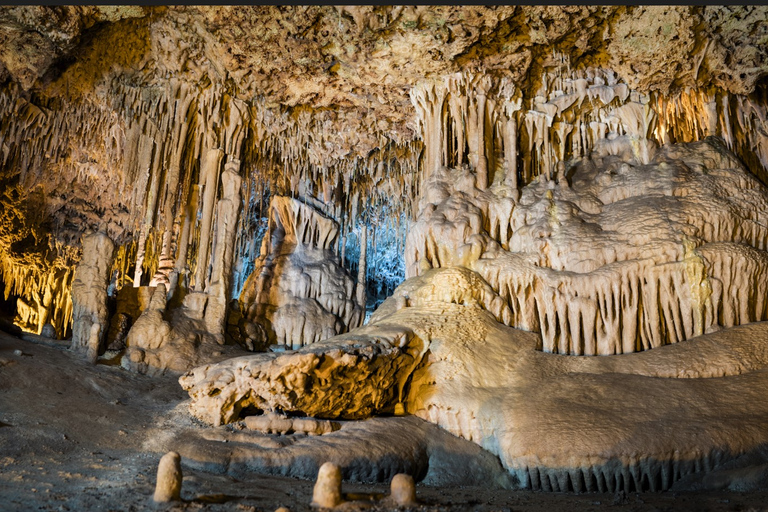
(128, 116)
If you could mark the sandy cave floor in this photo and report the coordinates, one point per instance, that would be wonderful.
(72, 438)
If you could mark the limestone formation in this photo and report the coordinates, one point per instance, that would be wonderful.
(169, 478)
(228, 210)
(271, 423)
(298, 292)
(135, 141)
(159, 342)
(49, 331)
(370, 451)
(630, 257)
(297, 380)
(403, 490)
(327, 491)
(180, 183)
(149, 332)
(557, 423)
(89, 295)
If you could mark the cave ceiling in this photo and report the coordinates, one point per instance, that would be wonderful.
(366, 58)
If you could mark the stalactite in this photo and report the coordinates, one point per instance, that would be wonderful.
(361, 268)
(209, 182)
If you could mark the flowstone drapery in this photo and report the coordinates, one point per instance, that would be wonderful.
(615, 257)
(557, 423)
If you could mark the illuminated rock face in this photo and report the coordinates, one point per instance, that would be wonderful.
(133, 124)
(299, 293)
(605, 248)
(616, 256)
(556, 423)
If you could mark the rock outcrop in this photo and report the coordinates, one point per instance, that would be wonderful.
(616, 257)
(609, 255)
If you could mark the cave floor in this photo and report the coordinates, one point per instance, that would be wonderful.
(73, 437)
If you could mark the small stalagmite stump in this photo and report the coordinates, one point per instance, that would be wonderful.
(168, 487)
(403, 490)
(327, 492)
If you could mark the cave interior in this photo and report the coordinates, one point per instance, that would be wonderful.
(499, 248)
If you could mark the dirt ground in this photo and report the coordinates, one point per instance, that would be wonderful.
(72, 437)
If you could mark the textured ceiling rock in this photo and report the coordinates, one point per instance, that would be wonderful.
(661, 47)
(34, 37)
(368, 57)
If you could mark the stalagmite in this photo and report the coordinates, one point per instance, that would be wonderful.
(149, 332)
(298, 293)
(169, 479)
(403, 490)
(89, 294)
(327, 490)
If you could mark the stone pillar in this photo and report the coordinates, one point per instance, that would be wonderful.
(360, 292)
(181, 259)
(510, 151)
(90, 317)
(482, 161)
(226, 233)
(210, 173)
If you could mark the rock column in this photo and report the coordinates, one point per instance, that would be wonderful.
(226, 232)
(89, 294)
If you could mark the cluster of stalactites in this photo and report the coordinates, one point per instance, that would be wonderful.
(43, 295)
(67, 151)
(145, 161)
(508, 136)
(741, 121)
(344, 158)
(484, 123)
(179, 141)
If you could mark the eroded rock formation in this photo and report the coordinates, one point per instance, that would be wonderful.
(107, 117)
(556, 423)
(618, 255)
(298, 292)
(89, 295)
